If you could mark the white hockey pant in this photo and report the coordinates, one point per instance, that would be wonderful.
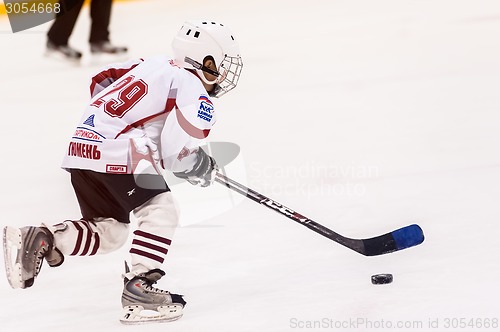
(157, 220)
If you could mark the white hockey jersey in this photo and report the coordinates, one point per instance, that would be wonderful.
(142, 110)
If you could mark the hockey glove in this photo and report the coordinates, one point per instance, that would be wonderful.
(145, 146)
(203, 172)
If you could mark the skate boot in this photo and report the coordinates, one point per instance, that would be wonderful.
(107, 48)
(24, 251)
(63, 51)
(139, 296)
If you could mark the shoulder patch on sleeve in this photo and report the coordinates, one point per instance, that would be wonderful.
(205, 109)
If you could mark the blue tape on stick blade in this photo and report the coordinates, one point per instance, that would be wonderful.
(408, 236)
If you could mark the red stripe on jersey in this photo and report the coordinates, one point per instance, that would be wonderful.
(169, 105)
(138, 123)
(189, 128)
(113, 73)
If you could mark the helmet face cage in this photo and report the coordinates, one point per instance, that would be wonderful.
(229, 74)
(197, 40)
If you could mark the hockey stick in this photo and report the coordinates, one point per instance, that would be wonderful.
(399, 239)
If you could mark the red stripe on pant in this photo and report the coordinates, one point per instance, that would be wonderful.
(150, 246)
(79, 241)
(153, 237)
(144, 240)
(147, 254)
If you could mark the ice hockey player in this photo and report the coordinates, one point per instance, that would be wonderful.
(143, 115)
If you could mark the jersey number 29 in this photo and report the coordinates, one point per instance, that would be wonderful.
(130, 92)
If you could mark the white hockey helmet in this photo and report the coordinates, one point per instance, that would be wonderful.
(198, 40)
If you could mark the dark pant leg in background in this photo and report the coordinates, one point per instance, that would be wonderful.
(63, 25)
(100, 13)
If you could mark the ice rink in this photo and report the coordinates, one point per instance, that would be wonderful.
(363, 115)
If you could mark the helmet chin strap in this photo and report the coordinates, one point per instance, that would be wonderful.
(204, 68)
(199, 69)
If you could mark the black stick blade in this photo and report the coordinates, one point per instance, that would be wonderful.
(399, 239)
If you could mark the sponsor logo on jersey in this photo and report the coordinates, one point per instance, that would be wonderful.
(83, 150)
(90, 121)
(87, 135)
(206, 109)
(119, 169)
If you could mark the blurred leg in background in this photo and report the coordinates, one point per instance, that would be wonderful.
(62, 28)
(100, 13)
(64, 23)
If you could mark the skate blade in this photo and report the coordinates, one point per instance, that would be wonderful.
(135, 314)
(61, 58)
(12, 241)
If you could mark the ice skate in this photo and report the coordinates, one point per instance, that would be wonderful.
(63, 52)
(142, 303)
(107, 48)
(24, 251)
(104, 52)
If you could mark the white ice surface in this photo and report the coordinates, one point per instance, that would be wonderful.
(362, 115)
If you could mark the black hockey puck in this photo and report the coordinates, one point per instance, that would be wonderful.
(381, 279)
